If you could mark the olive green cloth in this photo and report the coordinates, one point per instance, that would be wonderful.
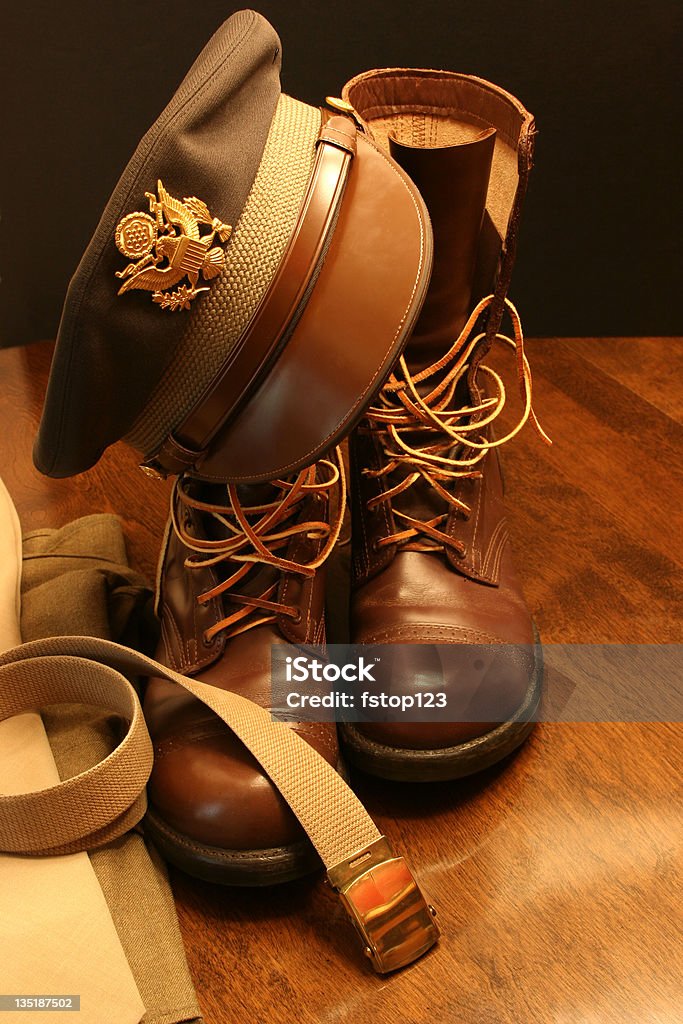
(76, 580)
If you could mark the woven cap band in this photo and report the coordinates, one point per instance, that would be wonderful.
(253, 255)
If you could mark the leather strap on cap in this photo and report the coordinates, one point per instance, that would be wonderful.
(278, 311)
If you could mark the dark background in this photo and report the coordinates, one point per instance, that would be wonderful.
(601, 244)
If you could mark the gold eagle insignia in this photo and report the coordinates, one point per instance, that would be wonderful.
(167, 247)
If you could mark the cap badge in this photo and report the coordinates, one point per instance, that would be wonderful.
(167, 247)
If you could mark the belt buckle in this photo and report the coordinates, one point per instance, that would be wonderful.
(386, 906)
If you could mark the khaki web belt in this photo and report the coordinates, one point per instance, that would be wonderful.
(387, 907)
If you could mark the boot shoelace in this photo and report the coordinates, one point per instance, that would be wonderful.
(402, 409)
(254, 536)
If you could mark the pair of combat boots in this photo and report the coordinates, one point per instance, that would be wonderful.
(243, 566)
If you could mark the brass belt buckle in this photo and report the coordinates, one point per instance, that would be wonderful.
(386, 905)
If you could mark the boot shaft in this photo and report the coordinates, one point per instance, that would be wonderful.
(467, 145)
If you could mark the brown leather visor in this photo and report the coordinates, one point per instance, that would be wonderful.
(326, 333)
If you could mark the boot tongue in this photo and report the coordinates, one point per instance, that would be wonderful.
(453, 181)
(248, 494)
(260, 576)
(258, 494)
(421, 501)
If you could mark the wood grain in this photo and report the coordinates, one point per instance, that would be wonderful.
(114, 485)
(557, 875)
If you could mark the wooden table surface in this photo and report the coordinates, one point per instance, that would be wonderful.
(557, 876)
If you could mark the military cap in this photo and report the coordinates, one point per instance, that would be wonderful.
(251, 281)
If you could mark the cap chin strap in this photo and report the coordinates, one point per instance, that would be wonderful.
(377, 889)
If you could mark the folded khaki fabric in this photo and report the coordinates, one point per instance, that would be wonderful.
(76, 581)
(57, 936)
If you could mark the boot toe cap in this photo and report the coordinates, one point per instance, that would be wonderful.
(483, 684)
(207, 786)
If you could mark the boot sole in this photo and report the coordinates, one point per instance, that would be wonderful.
(230, 867)
(403, 764)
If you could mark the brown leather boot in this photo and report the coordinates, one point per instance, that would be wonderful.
(242, 568)
(431, 558)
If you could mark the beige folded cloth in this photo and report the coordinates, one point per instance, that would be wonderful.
(102, 926)
(57, 936)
